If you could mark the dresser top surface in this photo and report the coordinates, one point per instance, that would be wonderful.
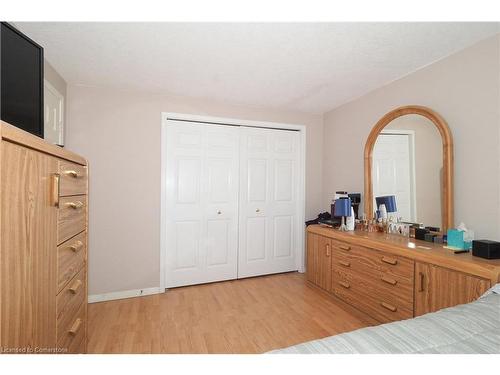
(15, 135)
(415, 249)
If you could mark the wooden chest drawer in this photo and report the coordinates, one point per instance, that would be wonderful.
(361, 292)
(72, 217)
(71, 306)
(71, 256)
(374, 261)
(72, 339)
(73, 179)
(383, 278)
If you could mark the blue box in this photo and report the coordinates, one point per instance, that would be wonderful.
(456, 239)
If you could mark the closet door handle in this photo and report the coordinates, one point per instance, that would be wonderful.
(327, 250)
(219, 212)
(257, 210)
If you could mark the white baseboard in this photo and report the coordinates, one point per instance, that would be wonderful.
(124, 294)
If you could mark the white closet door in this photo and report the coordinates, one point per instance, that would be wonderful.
(392, 172)
(202, 203)
(269, 181)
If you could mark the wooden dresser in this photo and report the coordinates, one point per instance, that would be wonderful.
(391, 277)
(43, 246)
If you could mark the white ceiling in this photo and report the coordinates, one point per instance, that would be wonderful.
(311, 67)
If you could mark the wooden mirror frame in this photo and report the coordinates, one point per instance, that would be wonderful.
(447, 220)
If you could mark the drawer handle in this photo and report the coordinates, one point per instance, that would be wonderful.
(76, 285)
(388, 280)
(75, 327)
(77, 246)
(421, 284)
(346, 248)
(55, 189)
(344, 284)
(388, 307)
(327, 250)
(345, 264)
(71, 173)
(75, 205)
(389, 261)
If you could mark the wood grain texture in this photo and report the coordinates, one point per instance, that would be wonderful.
(71, 258)
(72, 340)
(447, 173)
(15, 135)
(73, 179)
(252, 315)
(319, 261)
(416, 250)
(69, 303)
(29, 264)
(27, 248)
(72, 217)
(388, 280)
(437, 288)
(360, 291)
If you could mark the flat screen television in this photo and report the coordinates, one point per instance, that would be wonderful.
(21, 80)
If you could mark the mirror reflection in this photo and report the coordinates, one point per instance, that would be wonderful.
(407, 164)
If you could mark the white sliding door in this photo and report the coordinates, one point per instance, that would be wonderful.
(202, 164)
(269, 189)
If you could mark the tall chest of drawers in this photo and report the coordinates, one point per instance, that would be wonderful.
(43, 246)
(393, 278)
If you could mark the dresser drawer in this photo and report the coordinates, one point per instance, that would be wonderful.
(374, 261)
(72, 337)
(73, 179)
(71, 256)
(381, 277)
(72, 217)
(364, 294)
(70, 302)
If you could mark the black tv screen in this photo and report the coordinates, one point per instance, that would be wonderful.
(21, 80)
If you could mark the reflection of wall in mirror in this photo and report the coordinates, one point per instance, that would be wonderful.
(428, 166)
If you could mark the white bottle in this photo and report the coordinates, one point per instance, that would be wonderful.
(350, 220)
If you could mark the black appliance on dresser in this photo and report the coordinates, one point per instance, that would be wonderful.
(21, 80)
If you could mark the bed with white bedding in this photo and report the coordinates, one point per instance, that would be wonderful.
(469, 328)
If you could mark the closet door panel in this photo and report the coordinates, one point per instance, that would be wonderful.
(202, 203)
(268, 201)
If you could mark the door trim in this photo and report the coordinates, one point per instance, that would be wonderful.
(166, 116)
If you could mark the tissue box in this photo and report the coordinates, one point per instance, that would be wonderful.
(456, 238)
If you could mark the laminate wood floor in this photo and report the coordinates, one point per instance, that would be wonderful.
(252, 315)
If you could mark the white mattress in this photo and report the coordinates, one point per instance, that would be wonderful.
(469, 328)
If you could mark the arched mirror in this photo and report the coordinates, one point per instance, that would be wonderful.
(409, 156)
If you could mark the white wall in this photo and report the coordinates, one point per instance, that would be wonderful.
(119, 133)
(464, 89)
